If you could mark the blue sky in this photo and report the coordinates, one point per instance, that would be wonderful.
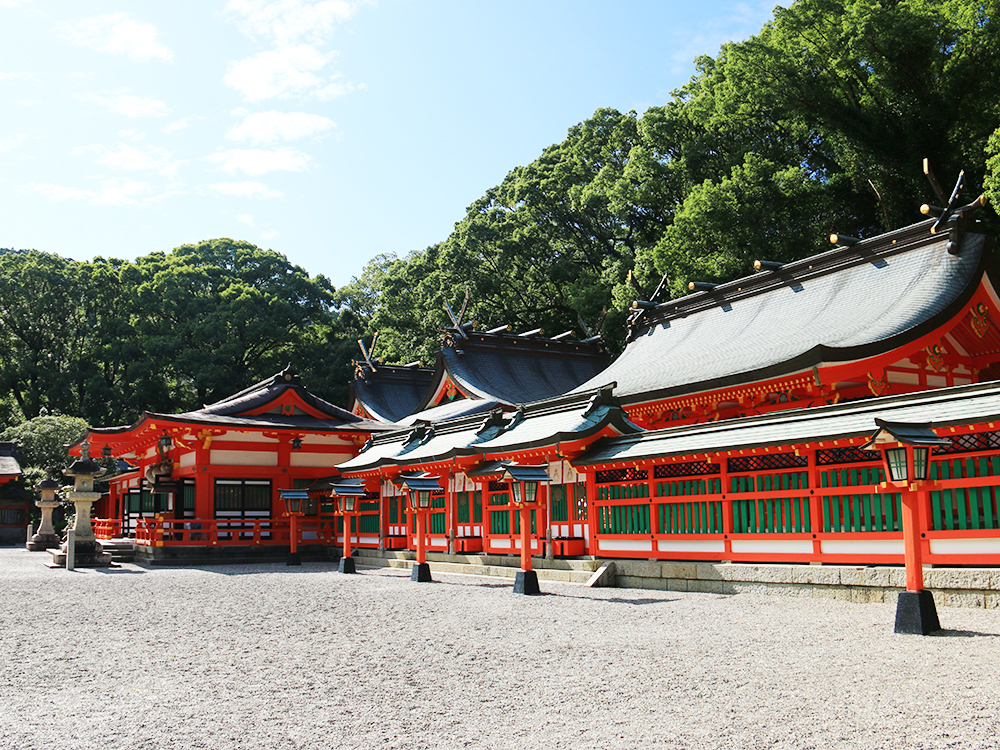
(328, 130)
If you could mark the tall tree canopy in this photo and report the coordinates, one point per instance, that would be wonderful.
(106, 339)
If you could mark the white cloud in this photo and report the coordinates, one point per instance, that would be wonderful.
(125, 158)
(286, 21)
(178, 125)
(116, 192)
(257, 161)
(132, 135)
(245, 219)
(13, 3)
(271, 126)
(117, 33)
(268, 235)
(296, 30)
(14, 75)
(9, 144)
(244, 190)
(291, 71)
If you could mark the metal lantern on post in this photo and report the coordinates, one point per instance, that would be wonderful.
(906, 456)
(524, 481)
(419, 488)
(296, 504)
(346, 496)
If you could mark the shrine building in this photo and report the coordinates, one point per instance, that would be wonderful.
(730, 428)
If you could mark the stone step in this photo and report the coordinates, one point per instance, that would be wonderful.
(121, 550)
(486, 566)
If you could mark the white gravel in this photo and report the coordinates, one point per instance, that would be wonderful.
(264, 656)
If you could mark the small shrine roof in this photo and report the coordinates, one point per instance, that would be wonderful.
(529, 426)
(463, 407)
(292, 407)
(846, 304)
(390, 392)
(943, 407)
(9, 465)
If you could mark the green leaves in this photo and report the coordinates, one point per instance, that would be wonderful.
(109, 339)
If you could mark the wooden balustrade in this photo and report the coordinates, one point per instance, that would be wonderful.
(106, 528)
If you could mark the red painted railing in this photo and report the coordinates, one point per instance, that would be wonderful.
(106, 528)
(211, 532)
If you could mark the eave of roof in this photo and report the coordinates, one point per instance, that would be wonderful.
(539, 424)
(944, 407)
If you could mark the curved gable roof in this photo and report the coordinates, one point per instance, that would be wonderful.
(839, 306)
(516, 369)
(391, 392)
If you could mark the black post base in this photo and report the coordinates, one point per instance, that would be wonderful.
(421, 573)
(916, 613)
(526, 582)
(347, 565)
(293, 559)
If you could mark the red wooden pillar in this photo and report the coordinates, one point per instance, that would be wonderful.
(591, 479)
(727, 506)
(450, 513)
(654, 508)
(815, 504)
(912, 547)
(525, 538)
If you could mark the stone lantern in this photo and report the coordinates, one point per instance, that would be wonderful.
(46, 538)
(88, 552)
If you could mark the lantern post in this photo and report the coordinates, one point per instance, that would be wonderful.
(346, 497)
(46, 537)
(419, 489)
(296, 504)
(906, 458)
(524, 481)
(87, 551)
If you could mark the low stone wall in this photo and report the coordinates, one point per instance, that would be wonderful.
(952, 587)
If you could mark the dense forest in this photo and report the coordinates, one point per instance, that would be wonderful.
(818, 123)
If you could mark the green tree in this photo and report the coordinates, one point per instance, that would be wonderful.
(42, 442)
(214, 317)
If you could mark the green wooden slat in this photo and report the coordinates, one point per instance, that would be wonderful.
(963, 509)
(970, 468)
(976, 501)
(994, 465)
(983, 470)
(988, 515)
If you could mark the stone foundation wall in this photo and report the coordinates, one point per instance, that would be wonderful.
(952, 587)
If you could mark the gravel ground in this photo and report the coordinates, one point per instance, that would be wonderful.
(263, 656)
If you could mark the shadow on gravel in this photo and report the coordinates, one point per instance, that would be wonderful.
(618, 599)
(962, 634)
(116, 571)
